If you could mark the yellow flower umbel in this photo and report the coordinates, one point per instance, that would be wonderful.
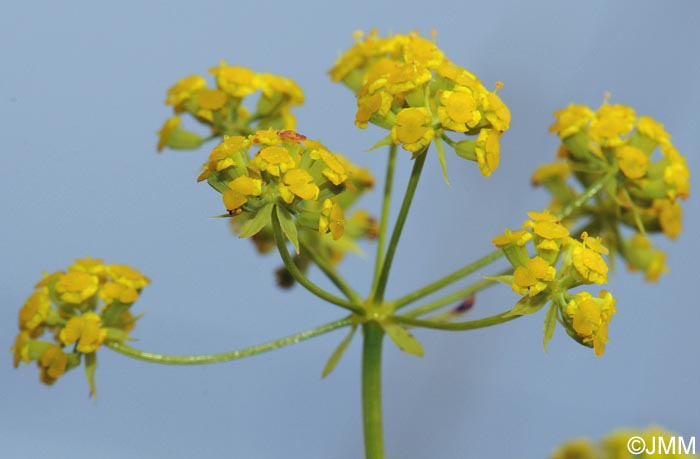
(284, 175)
(77, 310)
(647, 180)
(539, 281)
(405, 84)
(227, 109)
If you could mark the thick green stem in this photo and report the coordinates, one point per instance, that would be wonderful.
(456, 326)
(129, 351)
(372, 390)
(332, 275)
(378, 295)
(301, 277)
(449, 279)
(384, 219)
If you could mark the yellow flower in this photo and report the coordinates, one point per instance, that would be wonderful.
(266, 137)
(86, 330)
(407, 77)
(113, 291)
(222, 156)
(488, 151)
(332, 219)
(677, 175)
(52, 363)
(235, 81)
(240, 188)
(76, 286)
(632, 161)
(124, 274)
(611, 122)
(422, 51)
(94, 266)
(209, 101)
(184, 89)
(413, 129)
(459, 75)
(335, 172)
(170, 126)
(368, 105)
(495, 111)
(534, 276)
(271, 84)
(587, 260)
(571, 120)
(34, 311)
(652, 129)
(590, 318)
(298, 182)
(274, 160)
(459, 109)
(20, 349)
(518, 237)
(548, 228)
(670, 216)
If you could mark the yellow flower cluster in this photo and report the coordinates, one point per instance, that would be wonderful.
(222, 108)
(655, 443)
(404, 83)
(539, 281)
(649, 177)
(305, 185)
(81, 307)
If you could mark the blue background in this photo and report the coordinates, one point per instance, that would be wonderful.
(81, 96)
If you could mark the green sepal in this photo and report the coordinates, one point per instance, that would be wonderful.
(577, 144)
(112, 312)
(508, 280)
(338, 353)
(90, 367)
(73, 360)
(35, 349)
(528, 305)
(180, 139)
(385, 142)
(416, 98)
(257, 223)
(466, 149)
(550, 323)
(440, 147)
(266, 105)
(289, 228)
(215, 182)
(403, 339)
(116, 334)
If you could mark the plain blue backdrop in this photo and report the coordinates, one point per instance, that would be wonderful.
(81, 97)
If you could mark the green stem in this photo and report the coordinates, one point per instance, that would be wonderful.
(332, 275)
(384, 220)
(449, 279)
(301, 277)
(451, 298)
(456, 326)
(591, 191)
(129, 351)
(372, 390)
(378, 295)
